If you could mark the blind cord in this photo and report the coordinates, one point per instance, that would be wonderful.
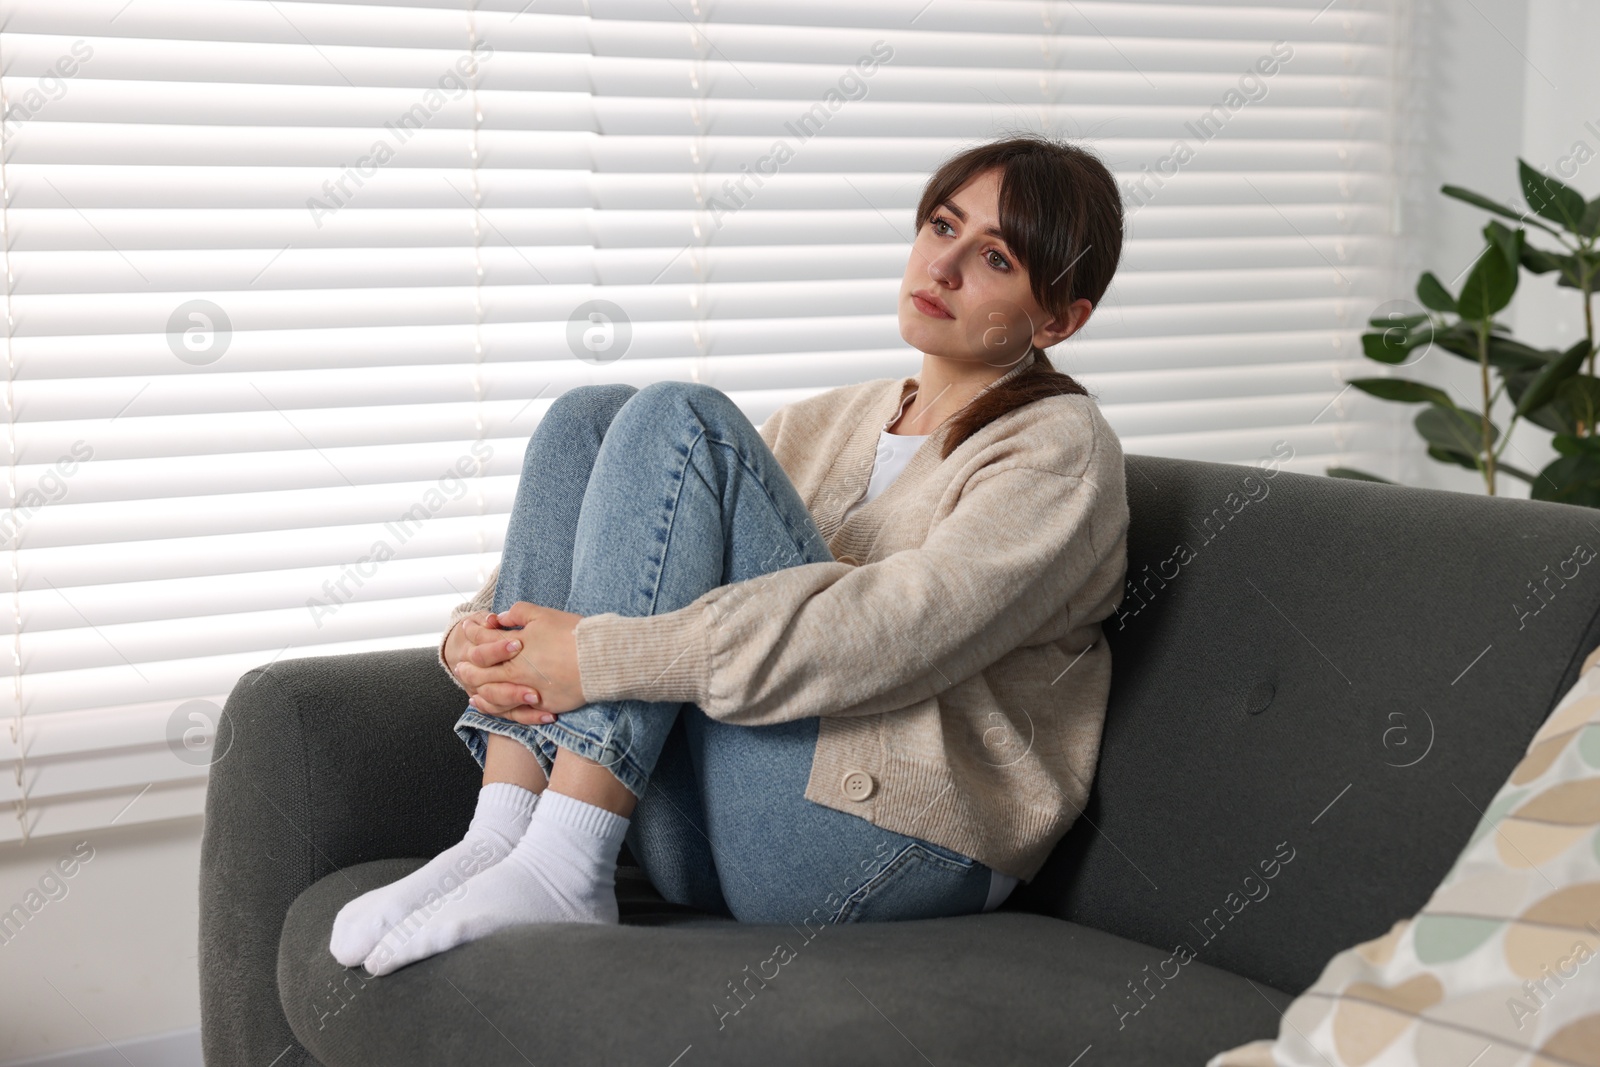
(18, 731)
(477, 281)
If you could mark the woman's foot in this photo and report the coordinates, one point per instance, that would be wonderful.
(503, 814)
(563, 870)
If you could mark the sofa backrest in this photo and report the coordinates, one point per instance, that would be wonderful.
(1317, 686)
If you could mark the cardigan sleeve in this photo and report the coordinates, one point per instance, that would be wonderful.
(831, 639)
(482, 600)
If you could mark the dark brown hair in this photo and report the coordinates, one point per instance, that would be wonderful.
(1061, 215)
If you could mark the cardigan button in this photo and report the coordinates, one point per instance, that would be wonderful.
(858, 785)
(850, 560)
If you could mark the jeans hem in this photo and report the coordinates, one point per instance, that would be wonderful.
(543, 740)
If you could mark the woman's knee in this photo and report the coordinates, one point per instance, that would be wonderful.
(583, 412)
(666, 406)
(590, 404)
(672, 389)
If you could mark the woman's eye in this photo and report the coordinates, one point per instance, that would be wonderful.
(940, 220)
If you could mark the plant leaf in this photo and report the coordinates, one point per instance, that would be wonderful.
(1460, 339)
(1489, 287)
(1515, 472)
(1573, 267)
(1543, 387)
(1454, 429)
(1570, 479)
(1510, 355)
(1394, 344)
(1509, 241)
(1351, 472)
(1506, 353)
(1399, 389)
(1569, 445)
(1445, 455)
(1405, 322)
(1590, 226)
(1578, 401)
(1538, 261)
(1433, 294)
(1555, 200)
(1479, 200)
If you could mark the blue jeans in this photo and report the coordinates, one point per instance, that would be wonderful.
(638, 501)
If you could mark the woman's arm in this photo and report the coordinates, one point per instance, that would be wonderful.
(829, 638)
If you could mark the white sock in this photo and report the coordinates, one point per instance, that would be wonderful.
(503, 813)
(563, 870)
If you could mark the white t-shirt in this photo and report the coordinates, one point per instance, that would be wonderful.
(894, 452)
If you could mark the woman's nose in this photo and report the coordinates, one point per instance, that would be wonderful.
(943, 269)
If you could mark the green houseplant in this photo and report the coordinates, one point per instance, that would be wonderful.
(1549, 387)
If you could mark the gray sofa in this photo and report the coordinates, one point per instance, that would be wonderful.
(1312, 702)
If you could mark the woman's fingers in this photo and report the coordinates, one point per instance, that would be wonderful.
(508, 694)
(516, 668)
(488, 653)
(519, 614)
(516, 712)
(472, 624)
(489, 707)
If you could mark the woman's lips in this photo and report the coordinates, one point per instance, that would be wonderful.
(930, 310)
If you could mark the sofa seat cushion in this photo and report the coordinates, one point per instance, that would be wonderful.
(1003, 987)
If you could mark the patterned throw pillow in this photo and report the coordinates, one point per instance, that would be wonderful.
(1502, 965)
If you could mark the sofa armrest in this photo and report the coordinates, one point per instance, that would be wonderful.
(322, 763)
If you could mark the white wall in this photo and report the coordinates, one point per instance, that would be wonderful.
(114, 955)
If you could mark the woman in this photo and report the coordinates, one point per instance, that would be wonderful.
(902, 730)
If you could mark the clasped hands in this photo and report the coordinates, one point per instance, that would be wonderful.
(519, 664)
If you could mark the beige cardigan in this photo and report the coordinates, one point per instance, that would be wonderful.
(954, 650)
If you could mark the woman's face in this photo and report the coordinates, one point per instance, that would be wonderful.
(981, 306)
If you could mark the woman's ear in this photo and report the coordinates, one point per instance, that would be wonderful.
(1057, 330)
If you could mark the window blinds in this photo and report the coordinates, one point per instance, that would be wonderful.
(289, 285)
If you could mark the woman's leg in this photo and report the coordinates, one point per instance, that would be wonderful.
(536, 566)
(784, 858)
(536, 560)
(684, 497)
